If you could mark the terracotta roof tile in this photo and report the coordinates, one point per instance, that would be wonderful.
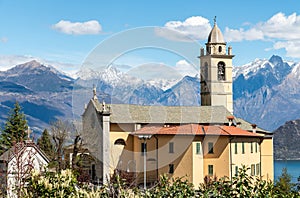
(125, 113)
(195, 129)
(236, 131)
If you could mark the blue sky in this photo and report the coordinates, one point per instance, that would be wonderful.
(64, 33)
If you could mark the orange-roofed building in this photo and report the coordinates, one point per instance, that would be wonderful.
(196, 150)
(143, 142)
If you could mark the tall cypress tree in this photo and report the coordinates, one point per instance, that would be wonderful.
(14, 129)
(44, 143)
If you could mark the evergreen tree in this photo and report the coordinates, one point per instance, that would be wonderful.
(14, 128)
(44, 143)
(284, 183)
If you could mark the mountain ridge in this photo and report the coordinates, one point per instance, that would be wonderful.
(255, 84)
(287, 144)
(264, 97)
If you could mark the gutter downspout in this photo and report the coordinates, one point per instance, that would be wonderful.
(156, 157)
(230, 153)
(260, 141)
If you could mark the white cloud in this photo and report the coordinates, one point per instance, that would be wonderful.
(78, 28)
(8, 61)
(195, 27)
(241, 34)
(281, 29)
(278, 26)
(292, 48)
(3, 40)
(185, 68)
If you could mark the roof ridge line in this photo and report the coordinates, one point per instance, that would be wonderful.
(224, 130)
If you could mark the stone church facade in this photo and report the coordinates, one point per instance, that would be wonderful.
(145, 142)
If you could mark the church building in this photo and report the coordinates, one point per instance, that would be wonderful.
(144, 142)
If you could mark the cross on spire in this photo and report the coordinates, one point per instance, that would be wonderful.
(215, 19)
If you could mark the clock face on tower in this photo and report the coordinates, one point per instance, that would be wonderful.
(221, 70)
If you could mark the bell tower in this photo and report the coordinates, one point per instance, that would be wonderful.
(216, 71)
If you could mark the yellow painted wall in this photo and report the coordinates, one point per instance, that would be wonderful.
(121, 156)
(267, 167)
(197, 164)
(186, 162)
(220, 158)
(182, 157)
(247, 159)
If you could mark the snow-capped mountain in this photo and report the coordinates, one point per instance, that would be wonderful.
(266, 93)
(185, 93)
(164, 84)
(114, 77)
(42, 91)
(115, 86)
(37, 77)
(274, 65)
(295, 71)
(260, 73)
(46, 94)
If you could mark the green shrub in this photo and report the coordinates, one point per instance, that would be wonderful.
(244, 185)
(64, 184)
(174, 187)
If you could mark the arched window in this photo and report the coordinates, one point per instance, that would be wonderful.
(207, 49)
(220, 49)
(205, 71)
(221, 70)
(120, 141)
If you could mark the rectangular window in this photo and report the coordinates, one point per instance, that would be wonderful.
(198, 148)
(210, 147)
(143, 148)
(210, 170)
(256, 147)
(251, 147)
(93, 172)
(252, 169)
(236, 170)
(171, 168)
(171, 147)
(243, 148)
(257, 169)
(235, 148)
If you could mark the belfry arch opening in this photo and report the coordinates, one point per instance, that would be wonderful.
(221, 71)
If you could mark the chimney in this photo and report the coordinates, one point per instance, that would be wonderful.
(137, 126)
(230, 120)
(253, 128)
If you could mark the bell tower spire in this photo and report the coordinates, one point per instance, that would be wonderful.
(216, 71)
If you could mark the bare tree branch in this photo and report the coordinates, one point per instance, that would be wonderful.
(60, 131)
